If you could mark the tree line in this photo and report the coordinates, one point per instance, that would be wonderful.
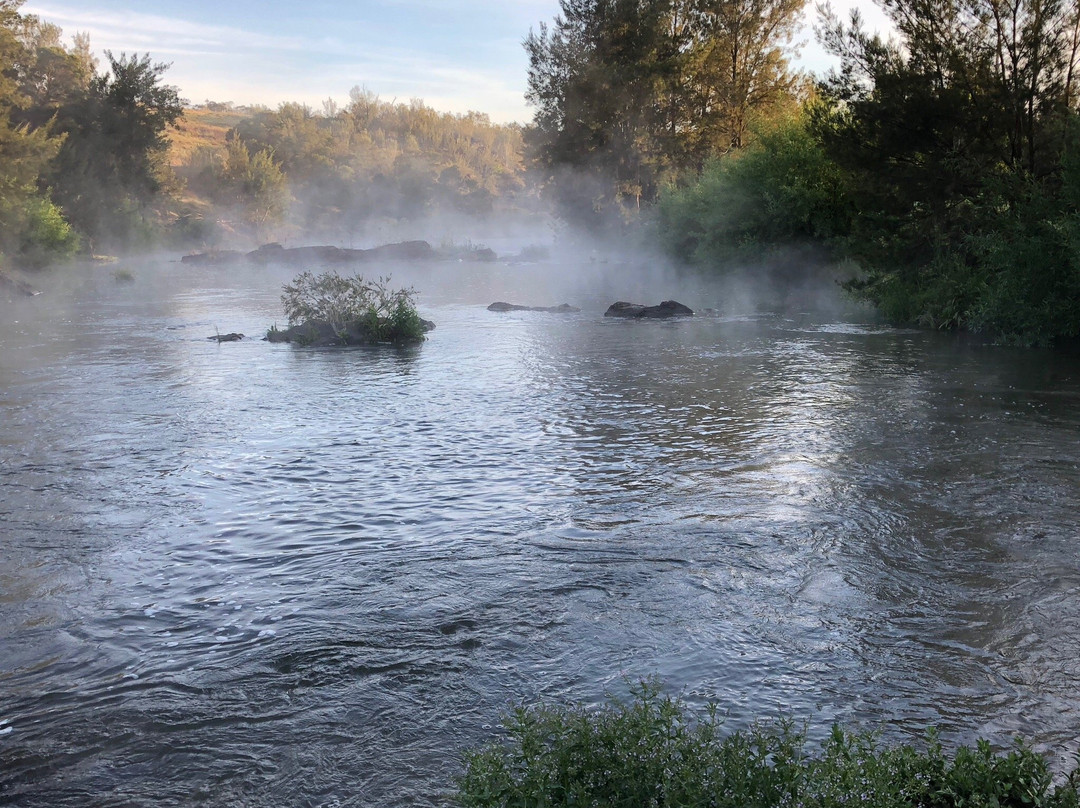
(941, 161)
(86, 165)
(292, 169)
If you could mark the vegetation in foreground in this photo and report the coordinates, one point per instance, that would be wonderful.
(331, 309)
(652, 751)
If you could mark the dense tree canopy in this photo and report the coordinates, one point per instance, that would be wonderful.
(373, 158)
(28, 220)
(113, 163)
(941, 162)
(631, 93)
(81, 152)
(957, 139)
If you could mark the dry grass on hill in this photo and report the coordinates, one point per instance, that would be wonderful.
(198, 128)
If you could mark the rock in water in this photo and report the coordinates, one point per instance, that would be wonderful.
(214, 257)
(667, 308)
(562, 308)
(623, 309)
(231, 337)
(16, 285)
(275, 253)
(636, 311)
(404, 251)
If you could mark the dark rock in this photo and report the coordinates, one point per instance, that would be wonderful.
(214, 257)
(18, 286)
(529, 255)
(623, 309)
(562, 308)
(402, 251)
(636, 311)
(232, 337)
(667, 308)
(468, 252)
(274, 253)
(313, 255)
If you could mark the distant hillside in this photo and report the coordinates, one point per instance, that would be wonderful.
(275, 173)
(202, 128)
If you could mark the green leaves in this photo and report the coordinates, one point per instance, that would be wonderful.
(780, 192)
(652, 750)
(354, 308)
(631, 93)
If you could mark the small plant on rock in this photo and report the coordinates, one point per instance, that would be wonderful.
(348, 310)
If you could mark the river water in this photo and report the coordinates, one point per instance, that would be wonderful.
(255, 574)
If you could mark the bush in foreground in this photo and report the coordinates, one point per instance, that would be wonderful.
(651, 751)
(330, 309)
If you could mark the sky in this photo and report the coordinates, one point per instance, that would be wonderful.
(455, 55)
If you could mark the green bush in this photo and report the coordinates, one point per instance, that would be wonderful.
(653, 751)
(350, 310)
(47, 236)
(1013, 274)
(781, 191)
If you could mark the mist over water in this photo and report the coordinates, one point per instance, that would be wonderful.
(265, 575)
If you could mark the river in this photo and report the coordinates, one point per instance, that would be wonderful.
(255, 574)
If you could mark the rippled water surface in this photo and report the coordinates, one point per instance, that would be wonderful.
(254, 574)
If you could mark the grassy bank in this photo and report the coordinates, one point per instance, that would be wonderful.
(652, 750)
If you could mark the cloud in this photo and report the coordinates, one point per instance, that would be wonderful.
(305, 63)
(116, 28)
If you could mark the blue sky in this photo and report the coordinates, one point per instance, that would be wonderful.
(457, 55)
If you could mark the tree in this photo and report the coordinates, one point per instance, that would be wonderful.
(740, 63)
(112, 168)
(255, 184)
(955, 138)
(390, 159)
(50, 75)
(774, 198)
(30, 226)
(629, 94)
(597, 79)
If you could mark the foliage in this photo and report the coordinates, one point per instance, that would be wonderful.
(113, 166)
(781, 191)
(81, 153)
(254, 183)
(955, 141)
(653, 751)
(630, 93)
(353, 306)
(48, 236)
(25, 151)
(374, 158)
(48, 73)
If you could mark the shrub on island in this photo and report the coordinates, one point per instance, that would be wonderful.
(653, 751)
(331, 309)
